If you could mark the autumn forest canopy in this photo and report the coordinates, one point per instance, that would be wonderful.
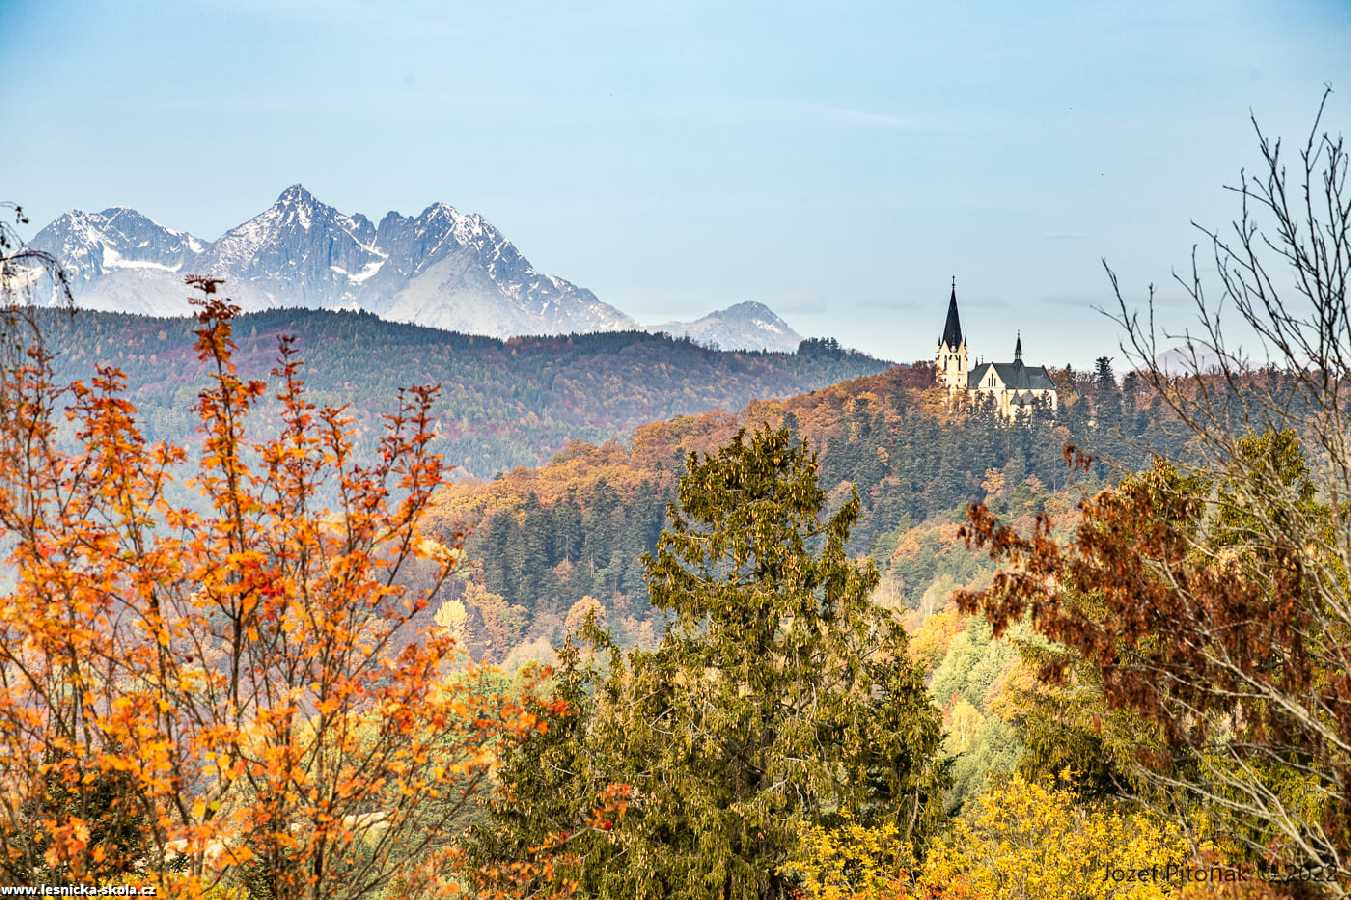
(309, 604)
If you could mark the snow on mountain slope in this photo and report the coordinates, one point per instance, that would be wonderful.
(90, 245)
(441, 268)
(742, 326)
(299, 250)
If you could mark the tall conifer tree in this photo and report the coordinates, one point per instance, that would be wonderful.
(779, 697)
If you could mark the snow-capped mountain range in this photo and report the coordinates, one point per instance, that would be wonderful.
(441, 268)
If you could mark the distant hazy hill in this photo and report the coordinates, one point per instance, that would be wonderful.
(441, 268)
(742, 326)
(504, 404)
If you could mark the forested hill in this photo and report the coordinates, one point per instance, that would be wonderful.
(503, 403)
(542, 539)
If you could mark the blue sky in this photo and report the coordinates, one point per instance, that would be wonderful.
(837, 161)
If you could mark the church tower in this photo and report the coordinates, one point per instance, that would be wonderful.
(951, 365)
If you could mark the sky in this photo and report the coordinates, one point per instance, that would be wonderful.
(840, 162)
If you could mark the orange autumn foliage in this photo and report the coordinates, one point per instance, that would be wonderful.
(227, 692)
(654, 450)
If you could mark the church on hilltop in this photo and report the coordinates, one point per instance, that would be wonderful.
(1015, 388)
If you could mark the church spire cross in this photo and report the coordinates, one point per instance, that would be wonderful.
(1018, 348)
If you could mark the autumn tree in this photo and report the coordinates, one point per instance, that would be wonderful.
(230, 692)
(1028, 841)
(778, 697)
(1208, 597)
(1021, 839)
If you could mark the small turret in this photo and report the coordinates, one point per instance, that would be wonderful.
(1018, 348)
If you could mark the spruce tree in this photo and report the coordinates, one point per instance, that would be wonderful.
(535, 838)
(1106, 393)
(780, 695)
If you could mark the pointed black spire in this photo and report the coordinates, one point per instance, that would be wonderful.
(952, 328)
(1018, 348)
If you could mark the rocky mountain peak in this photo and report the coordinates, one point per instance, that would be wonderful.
(295, 194)
(747, 309)
(90, 245)
(442, 268)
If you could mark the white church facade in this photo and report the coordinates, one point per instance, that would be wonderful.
(1014, 387)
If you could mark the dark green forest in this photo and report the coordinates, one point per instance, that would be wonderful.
(502, 403)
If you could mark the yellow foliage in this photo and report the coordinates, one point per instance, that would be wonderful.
(451, 616)
(1023, 840)
(583, 609)
(930, 642)
(961, 725)
(1020, 841)
(851, 861)
(430, 548)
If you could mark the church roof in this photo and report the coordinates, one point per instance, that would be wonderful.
(1015, 375)
(952, 328)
